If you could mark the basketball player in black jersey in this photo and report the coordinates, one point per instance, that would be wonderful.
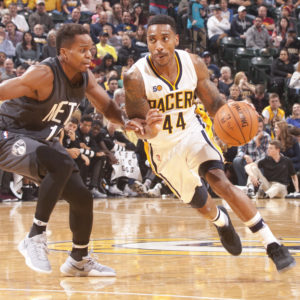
(41, 103)
(194, 154)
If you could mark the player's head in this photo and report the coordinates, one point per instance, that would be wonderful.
(72, 125)
(85, 125)
(162, 39)
(73, 45)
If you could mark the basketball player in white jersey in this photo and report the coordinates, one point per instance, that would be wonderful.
(160, 89)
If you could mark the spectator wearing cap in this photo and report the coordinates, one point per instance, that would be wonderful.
(240, 23)
(268, 22)
(97, 27)
(235, 4)
(40, 16)
(257, 36)
(75, 17)
(126, 26)
(138, 17)
(69, 5)
(287, 11)
(13, 34)
(292, 44)
(206, 56)
(18, 19)
(217, 27)
(103, 48)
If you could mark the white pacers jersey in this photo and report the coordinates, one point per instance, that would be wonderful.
(174, 100)
(183, 144)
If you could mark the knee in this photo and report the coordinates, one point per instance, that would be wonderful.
(82, 198)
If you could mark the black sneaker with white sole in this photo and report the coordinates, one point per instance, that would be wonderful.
(228, 236)
(281, 257)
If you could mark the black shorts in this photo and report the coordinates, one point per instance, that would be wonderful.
(18, 155)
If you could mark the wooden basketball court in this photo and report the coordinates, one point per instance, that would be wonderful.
(160, 248)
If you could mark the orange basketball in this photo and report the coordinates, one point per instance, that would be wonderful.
(236, 123)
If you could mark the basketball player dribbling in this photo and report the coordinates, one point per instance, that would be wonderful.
(42, 102)
(160, 89)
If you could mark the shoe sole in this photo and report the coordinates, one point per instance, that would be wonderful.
(23, 251)
(290, 266)
(104, 274)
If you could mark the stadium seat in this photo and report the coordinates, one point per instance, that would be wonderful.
(243, 59)
(228, 47)
(260, 70)
(268, 52)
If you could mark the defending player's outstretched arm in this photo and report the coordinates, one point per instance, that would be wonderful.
(137, 106)
(206, 89)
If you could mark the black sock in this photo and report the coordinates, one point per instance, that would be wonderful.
(79, 253)
(36, 229)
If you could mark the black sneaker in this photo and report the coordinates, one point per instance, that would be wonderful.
(229, 238)
(281, 257)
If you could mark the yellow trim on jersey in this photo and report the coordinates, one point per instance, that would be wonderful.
(208, 128)
(165, 79)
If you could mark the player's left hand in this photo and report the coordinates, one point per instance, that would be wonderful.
(136, 125)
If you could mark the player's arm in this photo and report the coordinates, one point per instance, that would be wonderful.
(101, 101)
(206, 89)
(36, 83)
(137, 105)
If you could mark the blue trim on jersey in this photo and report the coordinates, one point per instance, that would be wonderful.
(161, 175)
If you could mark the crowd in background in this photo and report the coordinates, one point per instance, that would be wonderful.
(112, 162)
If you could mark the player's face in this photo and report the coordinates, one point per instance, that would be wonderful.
(162, 41)
(85, 127)
(79, 55)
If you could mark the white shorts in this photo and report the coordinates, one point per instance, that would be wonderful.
(178, 165)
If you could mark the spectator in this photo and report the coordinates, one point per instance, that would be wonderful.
(13, 34)
(95, 61)
(49, 50)
(126, 5)
(247, 89)
(140, 40)
(89, 6)
(112, 86)
(280, 32)
(289, 144)
(103, 48)
(130, 62)
(138, 17)
(272, 113)
(116, 17)
(235, 93)
(294, 119)
(240, 23)
(40, 16)
(39, 37)
(9, 71)
(226, 79)
(268, 22)
(287, 11)
(206, 56)
(257, 36)
(281, 70)
(217, 27)
(227, 13)
(251, 152)
(234, 4)
(27, 51)
(107, 64)
(260, 99)
(5, 19)
(295, 79)
(2, 60)
(6, 45)
(292, 44)
(21, 69)
(97, 28)
(277, 170)
(159, 7)
(75, 16)
(18, 19)
(69, 5)
(126, 26)
(126, 50)
(196, 24)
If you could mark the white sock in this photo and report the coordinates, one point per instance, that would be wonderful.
(266, 236)
(39, 223)
(221, 219)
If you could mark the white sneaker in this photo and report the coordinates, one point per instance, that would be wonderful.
(139, 188)
(16, 185)
(129, 191)
(116, 191)
(88, 266)
(155, 191)
(97, 194)
(36, 252)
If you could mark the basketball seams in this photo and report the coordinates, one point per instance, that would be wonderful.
(237, 123)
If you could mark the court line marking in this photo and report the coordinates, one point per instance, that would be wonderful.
(115, 293)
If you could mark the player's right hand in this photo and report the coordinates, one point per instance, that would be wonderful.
(154, 118)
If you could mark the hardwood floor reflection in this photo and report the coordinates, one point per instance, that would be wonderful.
(160, 248)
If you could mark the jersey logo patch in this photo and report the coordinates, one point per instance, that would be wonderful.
(19, 148)
(157, 88)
